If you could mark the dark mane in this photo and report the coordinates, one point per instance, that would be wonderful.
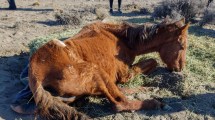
(139, 34)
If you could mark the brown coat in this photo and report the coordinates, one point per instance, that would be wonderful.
(94, 60)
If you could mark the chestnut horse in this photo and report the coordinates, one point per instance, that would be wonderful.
(98, 57)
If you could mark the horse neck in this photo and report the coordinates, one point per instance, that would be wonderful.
(121, 32)
(115, 29)
(141, 39)
(151, 46)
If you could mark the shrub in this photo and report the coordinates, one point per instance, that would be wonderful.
(101, 13)
(176, 8)
(70, 17)
(209, 15)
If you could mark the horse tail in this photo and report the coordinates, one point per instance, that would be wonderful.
(48, 106)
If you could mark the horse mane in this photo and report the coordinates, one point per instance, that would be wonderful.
(139, 34)
(133, 34)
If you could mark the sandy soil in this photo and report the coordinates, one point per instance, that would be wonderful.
(18, 28)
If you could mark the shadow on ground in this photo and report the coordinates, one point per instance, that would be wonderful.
(129, 14)
(199, 31)
(10, 85)
(203, 104)
(49, 23)
(27, 9)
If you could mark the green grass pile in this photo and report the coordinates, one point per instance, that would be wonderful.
(38, 42)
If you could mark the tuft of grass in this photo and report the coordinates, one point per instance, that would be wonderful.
(38, 42)
(138, 80)
(68, 17)
(101, 13)
(36, 3)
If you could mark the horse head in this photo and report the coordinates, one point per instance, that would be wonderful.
(173, 49)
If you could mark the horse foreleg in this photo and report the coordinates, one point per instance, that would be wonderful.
(122, 104)
(144, 67)
(112, 92)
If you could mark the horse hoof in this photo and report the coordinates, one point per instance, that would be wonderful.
(151, 104)
(23, 109)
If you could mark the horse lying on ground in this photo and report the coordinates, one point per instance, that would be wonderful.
(98, 57)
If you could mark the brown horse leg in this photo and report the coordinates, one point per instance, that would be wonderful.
(113, 93)
(122, 104)
(144, 67)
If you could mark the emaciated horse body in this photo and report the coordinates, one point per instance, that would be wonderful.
(98, 57)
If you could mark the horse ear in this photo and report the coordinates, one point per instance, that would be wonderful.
(184, 28)
(182, 20)
(180, 23)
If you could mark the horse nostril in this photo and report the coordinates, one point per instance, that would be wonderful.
(169, 69)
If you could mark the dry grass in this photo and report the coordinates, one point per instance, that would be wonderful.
(38, 42)
(175, 8)
(209, 15)
(68, 17)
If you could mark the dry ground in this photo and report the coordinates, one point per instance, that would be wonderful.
(191, 100)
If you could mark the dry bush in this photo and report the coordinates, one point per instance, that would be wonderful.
(174, 8)
(70, 17)
(101, 13)
(146, 10)
(136, 8)
(209, 15)
(36, 3)
(132, 7)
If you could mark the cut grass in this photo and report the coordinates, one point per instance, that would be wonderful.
(38, 42)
